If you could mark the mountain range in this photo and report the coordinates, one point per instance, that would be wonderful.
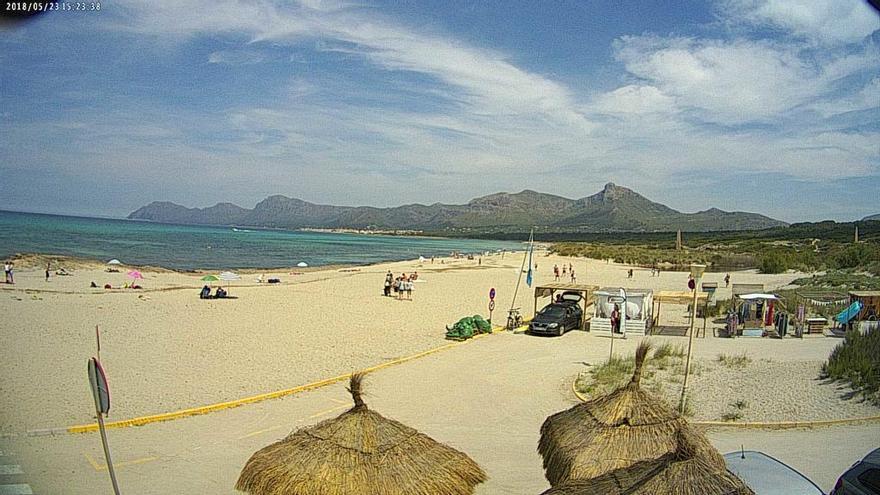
(612, 209)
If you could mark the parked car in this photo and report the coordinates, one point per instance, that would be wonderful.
(863, 478)
(766, 475)
(557, 318)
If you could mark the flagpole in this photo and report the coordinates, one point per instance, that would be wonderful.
(527, 256)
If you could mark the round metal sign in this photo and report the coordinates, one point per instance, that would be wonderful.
(691, 284)
(491, 305)
(492, 293)
(100, 389)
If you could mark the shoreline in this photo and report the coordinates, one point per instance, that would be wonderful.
(34, 260)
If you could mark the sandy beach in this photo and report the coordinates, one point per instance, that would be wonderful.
(164, 349)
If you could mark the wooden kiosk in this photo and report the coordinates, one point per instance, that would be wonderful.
(681, 298)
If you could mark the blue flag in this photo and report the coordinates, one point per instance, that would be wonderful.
(529, 274)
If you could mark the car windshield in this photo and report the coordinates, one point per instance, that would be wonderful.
(553, 311)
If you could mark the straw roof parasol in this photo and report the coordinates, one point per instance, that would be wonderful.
(683, 472)
(359, 452)
(614, 431)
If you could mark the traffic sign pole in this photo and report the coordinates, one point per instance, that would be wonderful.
(491, 308)
(491, 303)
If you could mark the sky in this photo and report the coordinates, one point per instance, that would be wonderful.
(768, 106)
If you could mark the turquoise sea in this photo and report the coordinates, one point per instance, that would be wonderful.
(186, 247)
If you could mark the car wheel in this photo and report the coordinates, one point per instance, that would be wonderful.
(560, 331)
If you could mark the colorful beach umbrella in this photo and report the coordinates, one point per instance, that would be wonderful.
(210, 278)
(135, 275)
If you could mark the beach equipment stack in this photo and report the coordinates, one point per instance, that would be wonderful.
(623, 433)
(359, 452)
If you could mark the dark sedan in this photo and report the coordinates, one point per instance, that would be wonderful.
(557, 318)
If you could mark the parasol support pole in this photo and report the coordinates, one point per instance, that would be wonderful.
(687, 364)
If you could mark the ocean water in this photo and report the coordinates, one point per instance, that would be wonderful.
(187, 247)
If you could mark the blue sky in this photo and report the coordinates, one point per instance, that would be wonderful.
(770, 106)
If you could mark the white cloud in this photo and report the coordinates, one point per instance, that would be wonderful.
(482, 79)
(725, 82)
(634, 99)
(236, 57)
(867, 98)
(822, 21)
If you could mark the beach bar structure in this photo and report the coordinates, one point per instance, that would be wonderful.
(867, 319)
(639, 311)
(680, 298)
(755, 313)
(549, 290)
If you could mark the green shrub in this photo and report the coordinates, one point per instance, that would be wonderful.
(772, 262)
(734, 360)
(857, 360)
(731, 416)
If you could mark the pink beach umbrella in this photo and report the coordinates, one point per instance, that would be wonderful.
(135, 275)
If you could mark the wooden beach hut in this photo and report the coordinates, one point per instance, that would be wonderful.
(679, 298)
(356, 453)
(639, 305)
(755, 312)
(870, 312)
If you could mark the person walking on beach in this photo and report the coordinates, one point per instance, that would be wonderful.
(409, 287)
(389, 280)
(48, 263)
(573, 278)
(10, 279)
(563, 270)
(6, 270)
(556, 273)
(570, 268)
(727, 280)
(629, 274)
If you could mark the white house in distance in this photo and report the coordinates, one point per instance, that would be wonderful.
(639, 304)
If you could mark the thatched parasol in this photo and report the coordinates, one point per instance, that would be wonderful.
(683, 472)
(359, 452)
(614, 431)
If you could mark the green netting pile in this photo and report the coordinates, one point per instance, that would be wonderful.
(467, 327)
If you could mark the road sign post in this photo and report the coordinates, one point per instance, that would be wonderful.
(491, 303)
(101, 394)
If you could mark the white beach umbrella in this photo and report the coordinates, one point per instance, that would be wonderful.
(114, 261)
(302, 264)
(228, 277)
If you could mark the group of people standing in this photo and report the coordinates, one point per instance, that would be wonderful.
(402, 285)
(570, 268)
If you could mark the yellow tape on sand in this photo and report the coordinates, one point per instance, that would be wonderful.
(155, 418)
(773, 425)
